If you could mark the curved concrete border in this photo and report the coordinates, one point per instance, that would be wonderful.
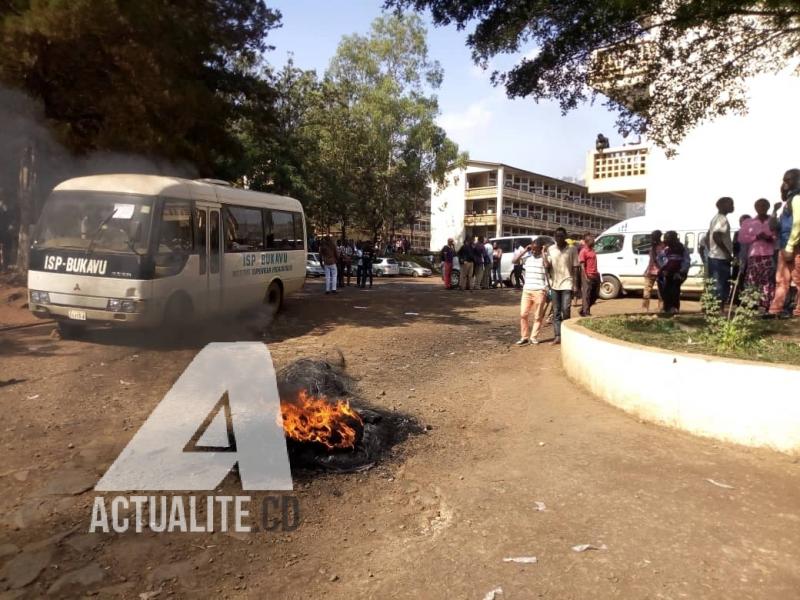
(750, 403)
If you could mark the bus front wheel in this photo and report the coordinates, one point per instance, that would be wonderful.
(70, 331)
(178, 313)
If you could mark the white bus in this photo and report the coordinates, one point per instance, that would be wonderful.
(146, 250)
(623, 252)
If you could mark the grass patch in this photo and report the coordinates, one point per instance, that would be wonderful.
(778, 341)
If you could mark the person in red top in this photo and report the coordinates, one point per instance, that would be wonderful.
(590, 276)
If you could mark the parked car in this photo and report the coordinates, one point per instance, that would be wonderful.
(408, 267)
(385, 266)
(314, 265)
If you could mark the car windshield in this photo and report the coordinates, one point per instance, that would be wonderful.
(607, 244)
(391, 261)
(96, 220)
(413, 265)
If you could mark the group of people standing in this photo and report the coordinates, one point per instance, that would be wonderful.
(338, 259)
(762, 255)
(479, 261)
(552, 273)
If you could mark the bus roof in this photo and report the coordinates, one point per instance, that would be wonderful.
(176, 187)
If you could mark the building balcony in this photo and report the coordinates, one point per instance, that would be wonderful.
(487, 219)
(542, 200)
(620, 171)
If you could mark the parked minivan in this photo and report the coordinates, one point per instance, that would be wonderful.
(509, 245)
(623, 252)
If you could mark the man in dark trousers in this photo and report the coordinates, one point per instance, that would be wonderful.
(466, 260)
(448, 252)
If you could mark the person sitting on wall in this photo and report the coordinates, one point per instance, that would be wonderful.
(601, 143)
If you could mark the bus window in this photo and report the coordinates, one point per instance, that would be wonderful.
(608, 244)
(244, 229)
(200, 237)
(688, 241)
(214, 240)
(299, 234)
(176, 227)
(642, 243)
(282, 230)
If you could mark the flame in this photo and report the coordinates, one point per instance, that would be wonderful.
(311, 418)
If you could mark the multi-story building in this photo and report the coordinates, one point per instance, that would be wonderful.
(742, 156)
(494, 199)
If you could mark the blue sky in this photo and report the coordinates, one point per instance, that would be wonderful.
(475, 114)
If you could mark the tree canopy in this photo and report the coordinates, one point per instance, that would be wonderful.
(689, 58)
(158, 77)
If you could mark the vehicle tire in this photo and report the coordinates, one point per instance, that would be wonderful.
(178, 313)
(610, 288)
(455, 278)
(414, 274)
(71, 331)
(274, 298)
(378, 273)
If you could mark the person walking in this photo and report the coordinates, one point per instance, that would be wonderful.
(478, 258)
(329, 256)
(590, 276)
(788, 269)
(758, 237)
(497, 258)
(467, 262)
(340, 263)
(367, 256)
(534, 292)
(651, 273)
(561, 260)
(487, 264)
(673, 261)
(720, 250)
(358, 257)
(448, 251)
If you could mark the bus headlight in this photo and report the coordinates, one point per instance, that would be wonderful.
(121, 305)
(40, 297)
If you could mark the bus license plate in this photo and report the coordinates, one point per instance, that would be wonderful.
(78, 315)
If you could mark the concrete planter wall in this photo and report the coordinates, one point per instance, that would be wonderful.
(750, 403)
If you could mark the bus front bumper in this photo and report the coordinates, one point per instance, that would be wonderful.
(92, 316)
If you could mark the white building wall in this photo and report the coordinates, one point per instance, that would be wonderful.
(447, 209)
(743, 157)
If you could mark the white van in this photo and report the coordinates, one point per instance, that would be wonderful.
(146, 250)
(623, 252)
(509, 245)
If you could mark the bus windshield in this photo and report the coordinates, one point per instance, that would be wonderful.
(95, 221)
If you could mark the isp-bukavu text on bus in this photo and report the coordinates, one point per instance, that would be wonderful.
(145, 250)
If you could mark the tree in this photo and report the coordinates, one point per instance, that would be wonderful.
(163, 79)
(388, 145)
(665, 65)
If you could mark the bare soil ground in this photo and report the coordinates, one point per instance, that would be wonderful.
(434, 520)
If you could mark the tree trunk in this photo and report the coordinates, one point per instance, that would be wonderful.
(25, 201)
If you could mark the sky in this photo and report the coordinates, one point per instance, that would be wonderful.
(475, 114)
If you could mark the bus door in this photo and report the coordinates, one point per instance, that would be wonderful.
(209, 242)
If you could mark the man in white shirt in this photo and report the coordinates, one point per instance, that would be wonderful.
(720, 249)
(562, 261)
(534, 292)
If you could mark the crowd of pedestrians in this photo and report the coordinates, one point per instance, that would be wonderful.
(761, 255)
(341, 258)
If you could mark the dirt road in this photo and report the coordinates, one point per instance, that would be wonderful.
(436, 519)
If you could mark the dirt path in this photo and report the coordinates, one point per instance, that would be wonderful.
(436, 520)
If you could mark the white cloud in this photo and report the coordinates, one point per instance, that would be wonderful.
(475, 118)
